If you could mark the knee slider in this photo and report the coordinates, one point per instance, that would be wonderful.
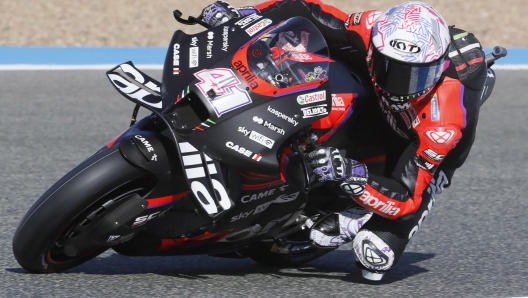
(372, 252)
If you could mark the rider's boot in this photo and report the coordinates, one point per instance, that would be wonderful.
(339, 228)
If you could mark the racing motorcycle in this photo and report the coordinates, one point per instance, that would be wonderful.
(218, 167)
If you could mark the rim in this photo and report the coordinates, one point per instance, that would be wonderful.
(56, 254)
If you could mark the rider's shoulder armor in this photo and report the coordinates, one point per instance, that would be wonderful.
(468, 62)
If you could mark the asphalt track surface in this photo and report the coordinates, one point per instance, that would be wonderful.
(474, 244)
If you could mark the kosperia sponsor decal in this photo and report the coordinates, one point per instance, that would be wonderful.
(282, 116)
(225, 38)
(314, 111)
(258, 26)
(309, 98)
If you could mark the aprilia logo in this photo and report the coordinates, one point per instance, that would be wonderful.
(436, 186)
(375, 203)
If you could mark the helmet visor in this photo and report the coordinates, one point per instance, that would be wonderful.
(400, 78)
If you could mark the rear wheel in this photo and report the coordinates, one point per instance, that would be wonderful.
(54, 235)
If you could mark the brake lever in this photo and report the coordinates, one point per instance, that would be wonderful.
(190, 20)
(310, 146)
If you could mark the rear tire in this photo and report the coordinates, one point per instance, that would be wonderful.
(37, 240)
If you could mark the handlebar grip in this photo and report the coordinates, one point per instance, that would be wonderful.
(497, 53)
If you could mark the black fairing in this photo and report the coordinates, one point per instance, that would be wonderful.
(229, 136)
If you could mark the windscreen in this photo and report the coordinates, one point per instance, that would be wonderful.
(291, 54)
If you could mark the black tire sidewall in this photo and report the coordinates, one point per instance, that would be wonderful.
(63, 203)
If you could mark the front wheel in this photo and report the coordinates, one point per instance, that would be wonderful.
(40, 244)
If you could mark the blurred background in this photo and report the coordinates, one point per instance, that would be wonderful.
(142, 23)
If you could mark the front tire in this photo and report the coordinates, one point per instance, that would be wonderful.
(78, 195)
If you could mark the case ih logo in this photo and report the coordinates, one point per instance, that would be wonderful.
(309, 98)
(404, 46)
(258, 26)
(176, 59)
(440, 135)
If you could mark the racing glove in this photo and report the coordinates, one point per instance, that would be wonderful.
(329, 165)
(220, 12)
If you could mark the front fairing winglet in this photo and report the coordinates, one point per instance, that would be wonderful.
(136, 86)
(203, 175)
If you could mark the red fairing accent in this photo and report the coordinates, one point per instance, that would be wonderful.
(260, 86)
(470, 62)
(384, 206)
(112, 142)
(380, 158)
(341, 110)
(162, 201)
(190, 242)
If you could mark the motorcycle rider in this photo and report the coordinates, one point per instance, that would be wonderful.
(427, 81)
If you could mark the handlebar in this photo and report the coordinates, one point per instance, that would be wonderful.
(190, 20)
(497, 53)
